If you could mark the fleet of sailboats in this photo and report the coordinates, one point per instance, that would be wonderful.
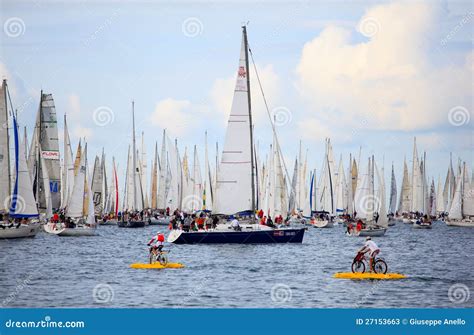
(40, 184)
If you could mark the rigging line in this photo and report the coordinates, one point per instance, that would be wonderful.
(293, 191)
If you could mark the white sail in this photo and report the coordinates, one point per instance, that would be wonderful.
(49, 144)
(23, 203)
(97, 186)
(281, 193)
(154, 181)
(161, 199)
(75, 208)
(197, 203)
(467, 193)
(416, 183)
(235, 176)
(68, 168)
(440, 204)
(382, 204)
(455, 211)
(361, 195)
(143, 174)
(393, 193)
(207, 197)
(47, 193)
(405, 192)
(90, 211)
(5, 182)
(340, 190)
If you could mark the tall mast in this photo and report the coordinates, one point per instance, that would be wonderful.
(134, 159)
(250, 116)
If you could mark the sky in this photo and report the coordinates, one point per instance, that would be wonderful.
(371, 75)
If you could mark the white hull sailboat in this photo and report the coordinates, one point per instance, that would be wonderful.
(461, 213)
(20, 199)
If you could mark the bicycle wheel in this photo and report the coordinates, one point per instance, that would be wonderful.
(163, 259)
(380, 266)
(358, 267)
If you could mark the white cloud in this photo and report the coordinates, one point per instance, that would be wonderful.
(387, 82)
(80, 132)
(177, 116)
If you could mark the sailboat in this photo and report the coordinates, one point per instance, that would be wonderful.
(325, 192)
(112, 203)
(236, 181)
(461, 213)
(365, 202)
(393, 199)
(423, 222)
(133, 187)
(21, 200)
(45, 142)
(80, 216)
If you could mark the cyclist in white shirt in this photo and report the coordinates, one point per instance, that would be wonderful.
(371, 248)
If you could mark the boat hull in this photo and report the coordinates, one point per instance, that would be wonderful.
(159, 221)
(372, 232)
(238, 237)
(63, 231)
(460, 223)
(109, 223)
(131, 224)
(421, 226)
(323, 224)
(23, 231)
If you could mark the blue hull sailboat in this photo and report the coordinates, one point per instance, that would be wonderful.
(236, 180)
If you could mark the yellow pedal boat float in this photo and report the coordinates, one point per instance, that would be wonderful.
(156, 266)
(368, 275)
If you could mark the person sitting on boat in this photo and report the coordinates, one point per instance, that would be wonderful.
(260, 214)
(156, 243)
(235, 224)
(359, 225)
(371, 248)
(270, 222)
(350, 228)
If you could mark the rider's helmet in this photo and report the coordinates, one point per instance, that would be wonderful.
(368, 238)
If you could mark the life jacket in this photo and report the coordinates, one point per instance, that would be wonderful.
(161, 238)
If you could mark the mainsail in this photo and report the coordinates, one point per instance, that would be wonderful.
(235, 181)
(393, 193)
(46, 141)
(23, 203)
(5, 178)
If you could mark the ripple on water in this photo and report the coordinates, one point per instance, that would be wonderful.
(62, 272)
